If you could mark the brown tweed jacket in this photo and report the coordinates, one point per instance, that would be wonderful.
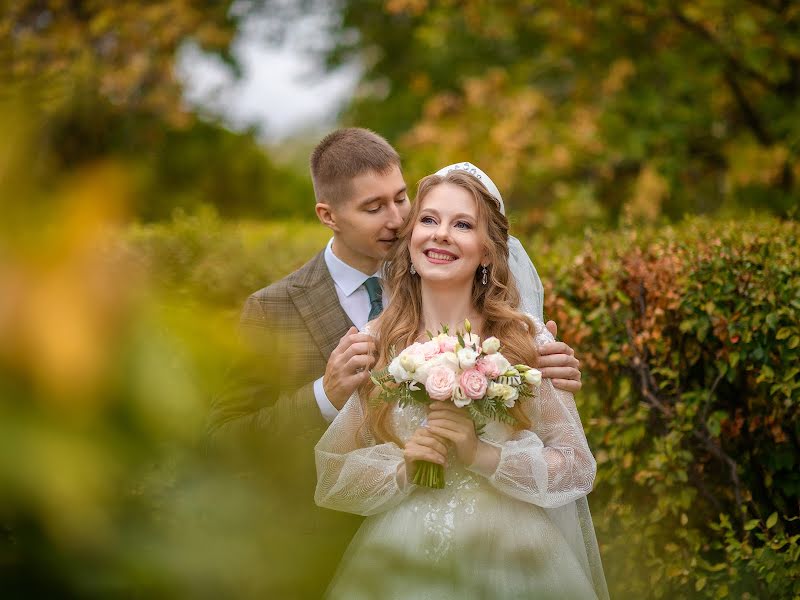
(302, 316)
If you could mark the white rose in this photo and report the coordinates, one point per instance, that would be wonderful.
(467, 358)
(490, 345)
(447, 359)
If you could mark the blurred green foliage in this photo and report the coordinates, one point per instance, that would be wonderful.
(113, 340)
(586, 112)
(99, 80)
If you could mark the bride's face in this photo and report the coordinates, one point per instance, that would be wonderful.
(447, 241)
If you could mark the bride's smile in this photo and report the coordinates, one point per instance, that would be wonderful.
(438, 256)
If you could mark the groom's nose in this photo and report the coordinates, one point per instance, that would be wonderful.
(395, 219)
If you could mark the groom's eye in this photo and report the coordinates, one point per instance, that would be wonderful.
(374, 210)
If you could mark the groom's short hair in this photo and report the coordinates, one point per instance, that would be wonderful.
(343, 155)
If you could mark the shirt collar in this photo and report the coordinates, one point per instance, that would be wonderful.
(346, 277)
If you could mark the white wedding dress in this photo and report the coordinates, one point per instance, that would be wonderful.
(509, 532)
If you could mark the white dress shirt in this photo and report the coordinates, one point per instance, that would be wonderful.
(353, 297)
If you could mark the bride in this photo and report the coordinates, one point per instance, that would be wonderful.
(512, 520)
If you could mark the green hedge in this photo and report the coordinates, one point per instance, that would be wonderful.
(690, 338)
(220, 263)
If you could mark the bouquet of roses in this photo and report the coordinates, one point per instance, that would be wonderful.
(463, 370)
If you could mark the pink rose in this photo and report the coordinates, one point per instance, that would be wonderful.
(430, 349)
(474, 383)
(494, 365)
(440, 383)
(447, 343)
(488, 367)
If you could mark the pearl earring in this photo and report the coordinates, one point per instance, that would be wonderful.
(484, 279)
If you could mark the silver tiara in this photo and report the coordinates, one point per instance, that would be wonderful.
(487, 182)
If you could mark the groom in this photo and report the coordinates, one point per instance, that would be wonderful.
(317, 312)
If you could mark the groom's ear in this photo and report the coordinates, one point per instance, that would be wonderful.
(326, 216)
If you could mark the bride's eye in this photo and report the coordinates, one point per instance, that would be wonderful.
(427, 221)
(463, 225)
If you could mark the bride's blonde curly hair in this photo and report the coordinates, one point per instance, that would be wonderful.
(401, 324)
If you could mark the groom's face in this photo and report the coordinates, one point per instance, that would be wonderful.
(366, 224)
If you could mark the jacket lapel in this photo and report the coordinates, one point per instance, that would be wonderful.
(314, 296)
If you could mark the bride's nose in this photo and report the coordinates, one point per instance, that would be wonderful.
(440, 233)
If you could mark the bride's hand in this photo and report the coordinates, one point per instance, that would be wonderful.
(424, 445)
(448, 421)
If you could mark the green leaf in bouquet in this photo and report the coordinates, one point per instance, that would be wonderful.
(420, 396)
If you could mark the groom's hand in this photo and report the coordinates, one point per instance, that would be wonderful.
(348, 366)
(557, 362)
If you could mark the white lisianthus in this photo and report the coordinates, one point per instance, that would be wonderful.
(467, 358)
(533, 377)
(420, 375)
(510, 395)
(494, 390)
(397, 371)
(471, 339)
(507, 393)
(412, 357)
(490, 345)
(459, 398)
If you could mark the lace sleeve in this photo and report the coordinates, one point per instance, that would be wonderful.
(354, 473)
(550, 465)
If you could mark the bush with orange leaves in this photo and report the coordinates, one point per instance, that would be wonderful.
(690, 340)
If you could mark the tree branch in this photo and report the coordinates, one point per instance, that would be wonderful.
(750, 116)
(704, 33)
